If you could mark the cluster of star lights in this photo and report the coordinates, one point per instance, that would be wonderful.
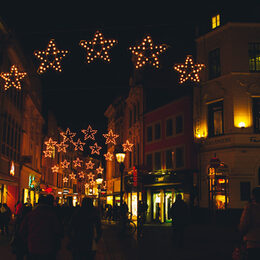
(98, 47)
(189, 70)
(50, 59)
(147, 52)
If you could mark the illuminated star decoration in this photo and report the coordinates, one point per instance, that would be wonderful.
(108, 156)
(78, 145)
(72, 176)
(13, 78)
(99, 170)
(147, 52)
(50, 147)
(110, 137)
(81, 174)
(127, 146)
(48, 153)
(189, 70)
(65, 164)
(55, 168)
(95, 148)
(65, 179)
(98, 47)
(62, 147)
(50, 58)
(91, 176)
(90, 165)
(77, 162)
(86, 185)
(68, 136)
(92, 182)
(89, 133)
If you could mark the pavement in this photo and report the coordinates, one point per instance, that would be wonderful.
(201, 241)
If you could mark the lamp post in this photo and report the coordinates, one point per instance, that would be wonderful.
(120, 157)
(99, 181)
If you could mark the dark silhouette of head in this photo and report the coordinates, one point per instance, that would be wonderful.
(178, 197)
(256, 194)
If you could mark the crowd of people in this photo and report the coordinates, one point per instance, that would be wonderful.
(38, 231)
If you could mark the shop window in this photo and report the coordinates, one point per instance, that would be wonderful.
(157, 160)
(215, 21)
(245, 188)
(149, 162)
(215, 119)
(149, 131)
(256, 114)
(214, 64)
(179, 124)
(254, 57)
(157, 131)
(169, 159)
(169, 127)
(179, 157)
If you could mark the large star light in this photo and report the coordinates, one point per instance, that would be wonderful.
(62, 147)
(110, 137)
(147, 52)
(77, 162)
(55, 168)
(95, 148)
(81, 174)
(67, 136)
(78, 145)
(90, 164)
(50, 144)
(189, 70)
(108, 156)
(72, 176)
(127, 146)
(100, 170)
(50, 58)
(65, 179)
(89, 133)
(98, 47)
(13, 78)
(65, 164)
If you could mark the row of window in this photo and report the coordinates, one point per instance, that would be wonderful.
(253, 55)
(173, 159)
(173, 126)
(216, 117)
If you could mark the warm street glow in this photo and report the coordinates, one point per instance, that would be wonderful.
(120, 157)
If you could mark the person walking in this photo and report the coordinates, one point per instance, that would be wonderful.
(249, 226)
(41, 230)
(85, 231)
(179, 215)
(6, 217)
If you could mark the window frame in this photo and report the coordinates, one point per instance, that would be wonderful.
(214, 63)
(252, 54)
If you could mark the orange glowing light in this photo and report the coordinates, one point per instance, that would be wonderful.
(89, 133)
(100, 170)
(90, 164)
(108, 156)
(65, 164)
(127, 146)
(78, 145)
(77, 162)
(110, 137)
(67, 136)
(95, 148)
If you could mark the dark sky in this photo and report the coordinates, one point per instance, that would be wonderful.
(80, 94)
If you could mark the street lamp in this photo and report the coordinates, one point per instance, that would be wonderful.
(99, 181)
(120, 157)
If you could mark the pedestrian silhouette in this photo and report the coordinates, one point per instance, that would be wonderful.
(41, 230)
(84, 231)
(179, 215)
(249, 225)
(6, 215)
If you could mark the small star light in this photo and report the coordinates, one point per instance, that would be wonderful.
(99, 170)
(90, 165)
(110, 137)
(55, 168)
(65, 164)
(78, 145)
(13, 78)
(48, 153)
(50, 58)
(65, 179)
(147, 52)
(95, 148)
(86, 185)
(98, 47)
(89, 133)
(92, 182)
(81, 174)
(77, 162)
(91, 176)
(72, 176)
(189, 70)
(127, 146)
(62, 147)
(108, 156)
(50, 144)
(67, 136)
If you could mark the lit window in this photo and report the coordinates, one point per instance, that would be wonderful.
(215, 21)
(254, 56)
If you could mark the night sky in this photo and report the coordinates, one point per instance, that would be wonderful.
(80, 94)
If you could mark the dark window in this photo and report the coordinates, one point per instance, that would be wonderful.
(130, 159)
(169, 160)
(214, 64)
(149, 134)
(130, 118)
(254, 57)
(149, 162)
(169, 128)
(157, 131)
(256, 114)
(179, 124)
(215, 119)
(157, 160)
(179, 153)
(245, 191)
